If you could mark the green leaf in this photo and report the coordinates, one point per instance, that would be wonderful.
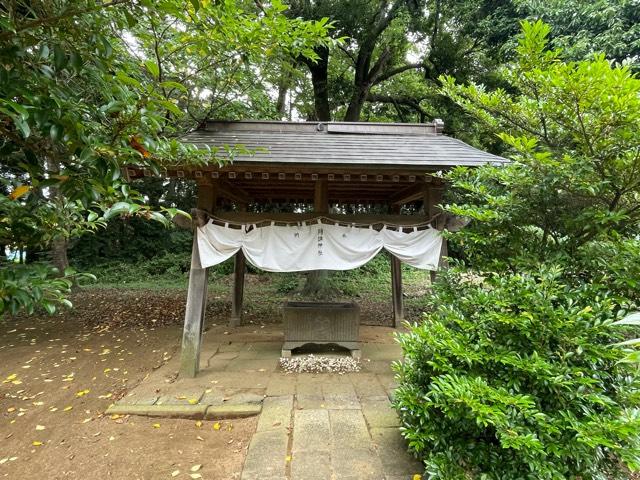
(153, 68)
(22, 125)
(75, 60)
(59, 57)
(174, 85)
(55, 132)
(631, 319)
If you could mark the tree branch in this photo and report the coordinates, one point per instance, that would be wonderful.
(395, 71)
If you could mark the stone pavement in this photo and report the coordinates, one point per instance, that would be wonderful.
(311, 426)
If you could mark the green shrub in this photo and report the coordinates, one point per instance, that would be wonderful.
(287, 282)
(514, 376)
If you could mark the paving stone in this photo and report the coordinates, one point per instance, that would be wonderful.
(367, 385)
(340, 395)
(171, 411)
(276, 413)
(219, 412)
(258, 354)
(379, 413)
(345, 388)
(377, 366)
(308, 384)
(356, 463)
(208, 351)
(231, 347)
(382, 351)
(225, 355)
(311, 431)
(266, 456)
(232, 392)
(392, 450)
(216, 364)
(309, 402)
(244, 380)
(244, 398)
(181, 397)
(348, 429)
(214, 397)
(252, 365)
(142, 400)
(281, 385)
(337, 402)
(273, 347)
(312, 465)
(388, 382)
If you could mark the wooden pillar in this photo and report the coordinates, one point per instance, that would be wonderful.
(194, 315)
(396, 291)
(432, 197)
(239, 263)
(321, 197)
(207, 195)
(237, 295)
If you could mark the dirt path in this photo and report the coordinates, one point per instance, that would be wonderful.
(58, 374)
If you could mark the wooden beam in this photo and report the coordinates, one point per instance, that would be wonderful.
(239, 263)
(252, 217)
(396, 291)
(233, 192)
(408, 194)
(320, 199)
(207, 195)
(194, 316)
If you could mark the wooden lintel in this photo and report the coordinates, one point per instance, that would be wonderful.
(233, 192)
(408, 194)
(346, 219)
(282, 171)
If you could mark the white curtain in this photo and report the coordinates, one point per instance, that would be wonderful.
(317, 246)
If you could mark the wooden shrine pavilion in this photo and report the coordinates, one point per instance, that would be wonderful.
(329, 168)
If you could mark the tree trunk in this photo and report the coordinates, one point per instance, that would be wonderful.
(355, 105)
(320, 80)
(59, 254)
(60, 244)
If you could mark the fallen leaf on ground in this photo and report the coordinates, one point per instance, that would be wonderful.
(199, 423)
(36, 443)
(40, 427)
(195, 468)
(156, 425)
(175, 473)
(216, 426)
